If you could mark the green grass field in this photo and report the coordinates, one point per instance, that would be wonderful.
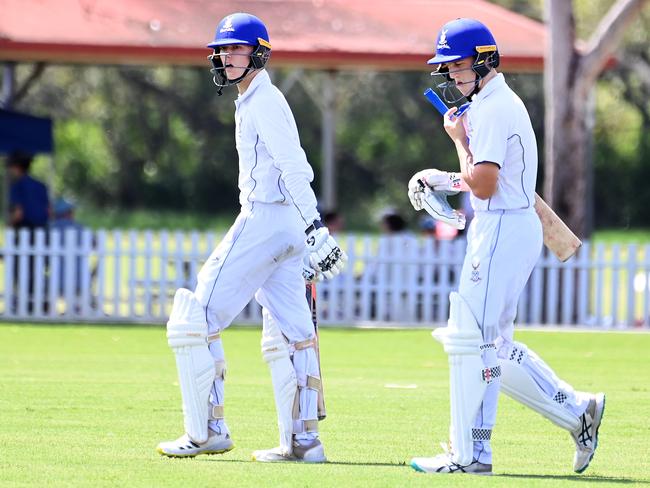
(86, 406)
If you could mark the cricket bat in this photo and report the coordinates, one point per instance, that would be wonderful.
(557, 235)
(311, 300)
(558, 238)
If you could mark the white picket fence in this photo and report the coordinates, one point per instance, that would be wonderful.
(116, 276)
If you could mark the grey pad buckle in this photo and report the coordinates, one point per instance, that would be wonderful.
(216, 412)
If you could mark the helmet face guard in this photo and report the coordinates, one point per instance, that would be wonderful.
(257, 60)
(483, 63)
(239, 29)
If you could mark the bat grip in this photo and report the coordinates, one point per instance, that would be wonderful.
(441, 106)
(436, 101)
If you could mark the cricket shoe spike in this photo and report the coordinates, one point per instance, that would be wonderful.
(442, 464)
(586, 436)
(186, 447)
(311, 453)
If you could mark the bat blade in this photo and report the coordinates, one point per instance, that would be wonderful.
(557, 236)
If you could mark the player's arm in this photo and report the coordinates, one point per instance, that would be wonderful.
(16, 212)
(480, 176)
(281, 138)
(283, 144)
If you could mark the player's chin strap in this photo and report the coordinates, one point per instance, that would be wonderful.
(219, 76)
(296, 382)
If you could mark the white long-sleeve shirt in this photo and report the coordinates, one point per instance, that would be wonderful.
(500, 131)
(273, 167)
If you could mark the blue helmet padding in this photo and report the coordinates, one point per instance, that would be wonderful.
(239, 28)
(459, 38)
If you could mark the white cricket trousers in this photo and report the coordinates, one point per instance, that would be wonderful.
(260, 256)
(502, 250)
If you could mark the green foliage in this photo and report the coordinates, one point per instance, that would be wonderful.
(134, 138)
(86, 406)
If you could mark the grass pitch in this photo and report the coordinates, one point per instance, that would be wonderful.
(86, 406)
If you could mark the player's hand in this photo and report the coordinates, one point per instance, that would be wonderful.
(440, 181)
(454, 125)
(325, 255)
(308, 273)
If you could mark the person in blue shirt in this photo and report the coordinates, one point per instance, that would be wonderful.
(29, 204)
(29, 208)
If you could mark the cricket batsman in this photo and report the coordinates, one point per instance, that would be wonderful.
(497, 152)
(261, 256)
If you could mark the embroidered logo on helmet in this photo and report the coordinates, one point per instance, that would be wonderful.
(442, 42)
(227, 26)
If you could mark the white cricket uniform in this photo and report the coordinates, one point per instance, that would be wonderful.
(262, 253)
(504, 241)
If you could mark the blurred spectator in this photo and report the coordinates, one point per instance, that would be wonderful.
(427, 226)
(394, 272)
(63, 222)
(445, 232)
(29, 208)
(392, 222)
(28, 200)
(333, 221)
(63, 211)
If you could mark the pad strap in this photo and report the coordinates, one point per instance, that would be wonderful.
(301, 426)
(216, 412)
(306, 344)
(310, 425)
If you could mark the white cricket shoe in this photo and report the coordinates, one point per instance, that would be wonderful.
(442, 463)
(186, 447)
(312, 453)
(586, 436)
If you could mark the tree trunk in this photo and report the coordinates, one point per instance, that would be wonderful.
(569, 76)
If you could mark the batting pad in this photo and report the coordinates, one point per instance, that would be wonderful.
(519, 382)
(462, 340)
(275, 351)
(187, 333)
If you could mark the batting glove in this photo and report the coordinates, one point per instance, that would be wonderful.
(439, 181)
(325, 255)
(308, 273)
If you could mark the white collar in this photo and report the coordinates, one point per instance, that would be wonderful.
(261, 78)
(494, 84)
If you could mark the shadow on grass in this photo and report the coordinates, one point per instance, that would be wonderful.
(328, 463)
(583, 478)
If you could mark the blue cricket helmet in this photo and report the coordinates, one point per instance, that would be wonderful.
(459, 39)
(239, 28)
(462, 38)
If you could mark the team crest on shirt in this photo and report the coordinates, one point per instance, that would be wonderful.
(476, 263)
(442, 42)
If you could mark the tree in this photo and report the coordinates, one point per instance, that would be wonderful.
(570, 75)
